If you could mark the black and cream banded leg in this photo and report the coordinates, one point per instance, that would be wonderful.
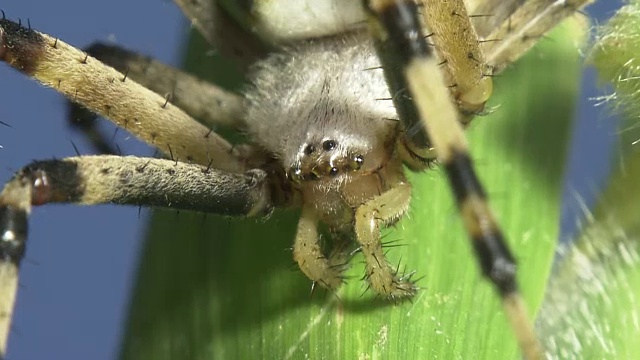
(199, 156)
(129, 180)
(412, 67)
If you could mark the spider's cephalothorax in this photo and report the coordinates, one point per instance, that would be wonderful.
(333, 116)
(323, 109)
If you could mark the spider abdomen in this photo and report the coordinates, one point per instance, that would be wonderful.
(331, 99)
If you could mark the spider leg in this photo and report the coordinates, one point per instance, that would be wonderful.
(83, 120)
(369, 219)
(512, 28)
(208, 103)
(307, 252)
(457, 43)
(489, 14)
(105, 91)
(474, 48)
(223, 32)
(121, 180)
(395, 27)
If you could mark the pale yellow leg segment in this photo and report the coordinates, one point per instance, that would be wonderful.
(516, 311)
(308, 254)
(370, 217)
(456, 42)
(208, 103)
(437, 110)
(8, 289)
(105, 91)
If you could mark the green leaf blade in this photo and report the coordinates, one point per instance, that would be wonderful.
(228, 288)
(592, 306)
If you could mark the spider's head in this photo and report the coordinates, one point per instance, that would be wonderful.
(323, 159)
(332, 158)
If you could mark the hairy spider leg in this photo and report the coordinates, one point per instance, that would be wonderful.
(204, 101)
(456, 40)
(105, 91)
(128, 180)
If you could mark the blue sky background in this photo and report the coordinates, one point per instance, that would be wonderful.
(80, 260)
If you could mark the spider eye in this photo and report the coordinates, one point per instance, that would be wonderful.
(329, 145)
(295, 174)
(357, 162)
(333, 171)
(309, 149)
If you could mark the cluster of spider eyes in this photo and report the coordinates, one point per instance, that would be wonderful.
(313, 169)
(327, 145)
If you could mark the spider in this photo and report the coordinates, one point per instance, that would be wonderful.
(337, 175)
